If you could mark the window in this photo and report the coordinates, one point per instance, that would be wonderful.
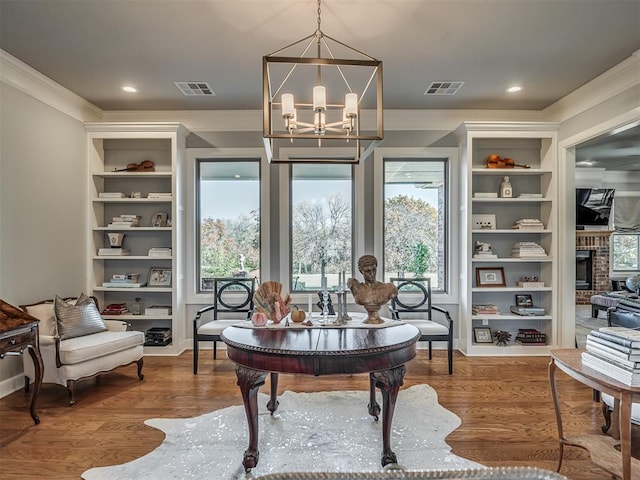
(625, 252)
(227, 219)
(414, 218)
(321, 224)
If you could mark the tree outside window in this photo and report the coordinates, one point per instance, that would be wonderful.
(414, 219)
(228, 219)
(321, 224)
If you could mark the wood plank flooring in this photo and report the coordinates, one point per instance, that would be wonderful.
(504, 404)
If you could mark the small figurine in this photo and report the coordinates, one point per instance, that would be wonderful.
(505, 188)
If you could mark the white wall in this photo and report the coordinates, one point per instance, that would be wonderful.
(43, 180)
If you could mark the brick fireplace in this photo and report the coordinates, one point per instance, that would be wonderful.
(592, 264)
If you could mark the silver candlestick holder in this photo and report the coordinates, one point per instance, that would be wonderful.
(343, 317)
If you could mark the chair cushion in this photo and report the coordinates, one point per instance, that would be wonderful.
(80, 349)
(215, 327)
(78, 320)
(428, 327)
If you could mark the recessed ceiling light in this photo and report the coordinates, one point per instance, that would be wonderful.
(129, 89)
(514, 89)
(236, 176)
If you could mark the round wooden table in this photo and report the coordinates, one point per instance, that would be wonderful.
(380, 351)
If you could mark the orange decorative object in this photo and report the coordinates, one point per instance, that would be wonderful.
(496, 161)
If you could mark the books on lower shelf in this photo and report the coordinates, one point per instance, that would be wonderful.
(485, 194)
(159, 195)
(158, 310)
(124, 280)
(527, 311)
(157, 337)
(531, 336)
(123, 284)
(115, 309)
(111, 195)
(524, 284)
(615, 352)
(530, 195)
(124, 220)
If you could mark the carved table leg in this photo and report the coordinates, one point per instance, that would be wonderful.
(38, 372)
(389, 383)
(374, 407)
(273, 403)
(249, 382)
(556, 405)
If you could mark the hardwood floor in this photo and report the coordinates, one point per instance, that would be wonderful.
(504, 404)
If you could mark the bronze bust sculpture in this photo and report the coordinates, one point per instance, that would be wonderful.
(371, 294)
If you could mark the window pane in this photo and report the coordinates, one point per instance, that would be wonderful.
(228, 219)
(414, 219)
(321, 226)
(625, 252)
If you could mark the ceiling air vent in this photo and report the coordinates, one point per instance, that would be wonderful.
(192, 89)
(443, 88)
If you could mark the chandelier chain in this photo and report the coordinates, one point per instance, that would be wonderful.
(319, 20)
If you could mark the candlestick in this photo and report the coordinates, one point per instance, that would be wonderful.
(310, 307)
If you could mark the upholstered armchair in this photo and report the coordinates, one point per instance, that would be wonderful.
(69, 358)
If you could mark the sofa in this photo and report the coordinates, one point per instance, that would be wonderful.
(68, 359)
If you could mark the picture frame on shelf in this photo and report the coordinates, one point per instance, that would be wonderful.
(159, 277)
(482, 335)
(490, 277)
(524, 300)
(159, 219)
(483, 221)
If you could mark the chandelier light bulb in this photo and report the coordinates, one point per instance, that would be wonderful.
(288, 109)
(319, 98)
(351, 105)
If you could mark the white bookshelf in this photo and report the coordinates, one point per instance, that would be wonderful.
(527, 143)
(111, 147)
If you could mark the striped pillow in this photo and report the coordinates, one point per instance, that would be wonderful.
(78, 320)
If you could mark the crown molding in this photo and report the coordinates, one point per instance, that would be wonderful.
(617, 79)
(17, 74)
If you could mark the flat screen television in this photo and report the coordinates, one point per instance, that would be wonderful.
(593, 206)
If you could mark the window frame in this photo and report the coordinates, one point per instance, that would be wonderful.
(194, 296)
(452, 177)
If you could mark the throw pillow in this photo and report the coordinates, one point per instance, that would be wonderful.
(78, 320)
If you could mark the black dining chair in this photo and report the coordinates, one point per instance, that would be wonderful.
(413, 305)
(233, 303)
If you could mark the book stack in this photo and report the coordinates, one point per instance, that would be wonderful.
(530, 195)
(528, 224)
(111, 195)
(615, 352)
(124, 220)
(527, 249)
(531, 336)
(161, 195)
(158, 310)
(157, 337)
(115, 309)
(485, 309)
(125, 280)
(160, 252)
(485, 194)
(108, 252)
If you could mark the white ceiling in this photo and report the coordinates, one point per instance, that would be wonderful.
(93, 47)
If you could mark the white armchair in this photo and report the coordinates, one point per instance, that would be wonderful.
(69, 360)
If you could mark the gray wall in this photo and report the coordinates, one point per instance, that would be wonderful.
(43, 180)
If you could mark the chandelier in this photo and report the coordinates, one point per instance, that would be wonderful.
(314, 100)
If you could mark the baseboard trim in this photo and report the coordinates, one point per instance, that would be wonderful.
(11, 384)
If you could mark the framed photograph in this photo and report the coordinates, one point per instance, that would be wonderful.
(524, 300)
(482, 335)
(483, 221)
(159, 277)
(159, 219)
(490, 277)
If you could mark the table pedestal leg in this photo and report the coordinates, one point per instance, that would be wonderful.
(38, 369)
(556, 405)
(389, 383)
(250, 382)
(272, 405)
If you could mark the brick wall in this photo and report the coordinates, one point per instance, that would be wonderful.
(598, 242)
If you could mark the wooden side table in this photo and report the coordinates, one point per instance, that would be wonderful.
(602, 448)
(19, 331)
